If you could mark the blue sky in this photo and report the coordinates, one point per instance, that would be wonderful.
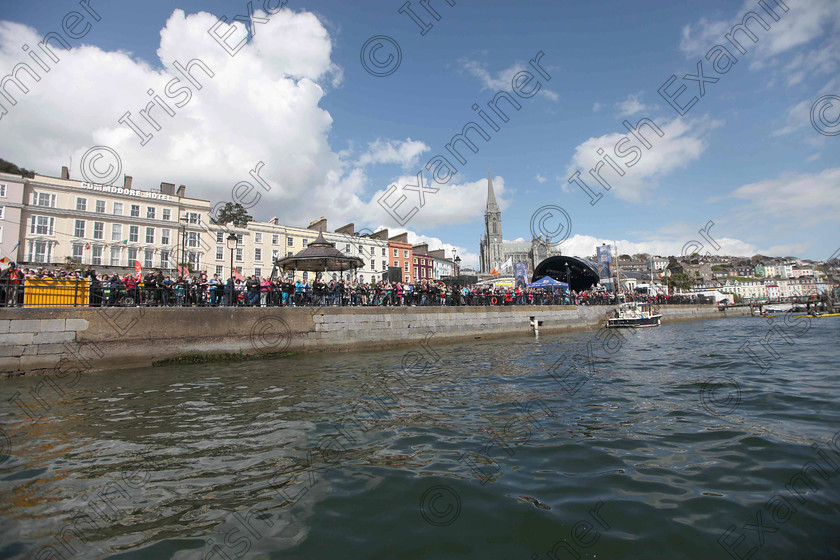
(333, 137)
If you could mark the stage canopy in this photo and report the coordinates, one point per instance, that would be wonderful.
(547, 282)
(581, 273)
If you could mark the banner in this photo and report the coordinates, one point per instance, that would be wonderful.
(605, 261)
(520, 273)
(137, 269)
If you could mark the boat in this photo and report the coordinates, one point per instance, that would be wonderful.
(634, 315)
(818, 315)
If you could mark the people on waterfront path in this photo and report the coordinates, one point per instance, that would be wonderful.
(159, 290)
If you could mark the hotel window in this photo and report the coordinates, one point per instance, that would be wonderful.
(289, 254)
(257, 238)
(78, 252)
(116, 232)
(164, 236)
(100, 207)
(118, 209)
(347, 248)
(135, 210)
(275, 239)
(2, 190)
(194, 217)
(396, 253)
(220, 237)
(384, 265)
(257, 271)
(115, 256)
(132, 255)
(42, 225)
(257, 254)
(166, 214)
(134, 233)
(373, 264)
(148, 257)
(405, 254)
(79, 230)
(275, 254)
(220, 253)
(193, 239)
(415, 260)
(219, 270)
(43, 199)
(383, 251)
(239, 254)
(361, 249)
(397, 263)
(306, 243)
(405, 266)
(81, 204)
(240, 240)
(164, 259)
(96, 255)
(150, 212)
(415, 273)
(290, 242)
(150, 235)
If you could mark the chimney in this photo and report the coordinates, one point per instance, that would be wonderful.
(439, 254)
(180, 192)
(349, 229)
(127, 182)
(401, 238)
(167, 188)
(422, 249)
(381, 234)
(275, 221)
(65, 173)
(318, 225)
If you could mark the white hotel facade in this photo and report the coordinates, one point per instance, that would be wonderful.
(53, 221)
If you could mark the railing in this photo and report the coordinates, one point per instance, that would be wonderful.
(72, 292)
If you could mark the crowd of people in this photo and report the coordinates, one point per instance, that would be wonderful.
(159, 289)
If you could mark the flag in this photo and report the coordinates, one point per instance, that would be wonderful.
(183, 271)
(137, 269)
(16, 246)
(87, 246)
(4, 259)
(125, 241)
(238, 276)
(508, 263)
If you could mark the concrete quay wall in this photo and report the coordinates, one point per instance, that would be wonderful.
(61, 340)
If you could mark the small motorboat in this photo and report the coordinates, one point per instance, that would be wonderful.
(634, 315)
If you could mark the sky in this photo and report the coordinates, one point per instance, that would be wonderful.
(344, 103)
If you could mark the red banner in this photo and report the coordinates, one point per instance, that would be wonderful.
(137, 269)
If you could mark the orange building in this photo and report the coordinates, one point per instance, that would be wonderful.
(400, 254)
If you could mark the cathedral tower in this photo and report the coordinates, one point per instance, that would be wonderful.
(491, 244)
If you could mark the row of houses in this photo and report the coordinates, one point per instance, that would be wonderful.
(53, 221)
(772, 288)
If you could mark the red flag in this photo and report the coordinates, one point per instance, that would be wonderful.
(238, 276)
(137, 269)
(183, 271)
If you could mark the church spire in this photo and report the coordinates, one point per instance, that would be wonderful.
(491, 196)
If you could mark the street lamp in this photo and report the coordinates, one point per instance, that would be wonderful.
(231, 244)
(457, 266)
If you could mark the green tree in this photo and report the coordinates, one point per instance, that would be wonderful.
(680, 280)
(9, 167)
(232, 213)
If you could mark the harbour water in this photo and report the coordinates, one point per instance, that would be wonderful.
(671, 442)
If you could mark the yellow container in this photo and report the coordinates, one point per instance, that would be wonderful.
(56, 292)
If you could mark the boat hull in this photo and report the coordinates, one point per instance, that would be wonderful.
(634, 323)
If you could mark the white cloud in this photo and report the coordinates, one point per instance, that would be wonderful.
(502, 80)
(798, 116)
(796, 33)
(596, 107)
(584, 246)
(405, 153)
(631, 105)
(684, 141)
(792, 201)
(540, 178)
(468, 259)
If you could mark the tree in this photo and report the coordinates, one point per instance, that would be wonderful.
(680, 280)
(9, 167)
(232, 213)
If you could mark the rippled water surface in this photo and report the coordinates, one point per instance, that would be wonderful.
(649, 446)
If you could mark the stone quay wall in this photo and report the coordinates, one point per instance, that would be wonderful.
(58, 340)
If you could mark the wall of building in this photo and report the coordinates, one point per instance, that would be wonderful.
(66, 341)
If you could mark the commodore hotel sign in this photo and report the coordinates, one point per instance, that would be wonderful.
(120, 190)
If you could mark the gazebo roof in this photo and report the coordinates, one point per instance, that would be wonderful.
(320, 256)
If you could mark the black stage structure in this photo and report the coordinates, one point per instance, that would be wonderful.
(581, 274)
